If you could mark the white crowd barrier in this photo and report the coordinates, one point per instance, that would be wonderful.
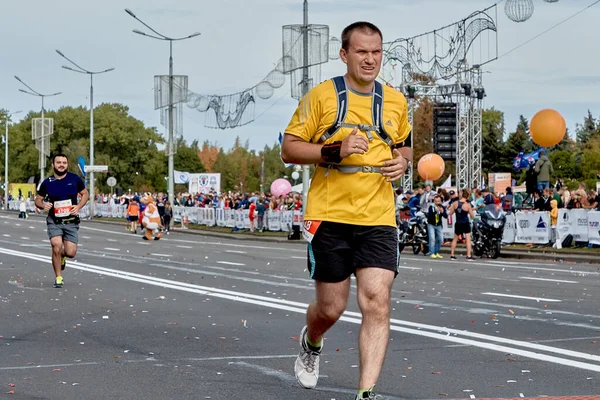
(535, 227)
(521, 227)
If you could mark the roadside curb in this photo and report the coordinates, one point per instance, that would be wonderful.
(505, 254)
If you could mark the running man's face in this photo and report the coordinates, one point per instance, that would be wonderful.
(60, 166)
(363, 56)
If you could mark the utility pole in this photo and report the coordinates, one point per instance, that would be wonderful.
(305, 89)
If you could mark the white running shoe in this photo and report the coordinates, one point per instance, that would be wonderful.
(306, 367)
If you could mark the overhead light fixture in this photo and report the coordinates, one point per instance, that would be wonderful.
(480, 92)
(467, 88)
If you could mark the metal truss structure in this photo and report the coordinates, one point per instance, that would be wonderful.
(446, 65)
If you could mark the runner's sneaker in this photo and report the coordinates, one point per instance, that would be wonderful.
(368, 396)
(63, 263)
(453, 258)
(438, 255)
(306, 368)
(58, 283)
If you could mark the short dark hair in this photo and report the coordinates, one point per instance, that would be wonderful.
(59, 155)
(362, 26)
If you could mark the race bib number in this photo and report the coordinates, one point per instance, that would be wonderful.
(309, 230)
(62, 208)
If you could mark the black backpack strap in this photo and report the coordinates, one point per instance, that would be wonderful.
(342, 108)
(377, 111)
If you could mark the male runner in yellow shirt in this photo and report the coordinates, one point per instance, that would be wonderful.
(350, 218)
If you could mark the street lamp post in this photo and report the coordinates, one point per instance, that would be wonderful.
(34, 93)
(81, 70)
(159, 36)
(8, 115)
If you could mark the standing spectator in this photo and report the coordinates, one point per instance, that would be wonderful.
(260, 212)
(160, 206)
(23, 209)
(426, 197)
(413, 203)
(544, 169)
(531, 185)
(575, 201)
(553, 219)
(252, 214)
(133, 212)
(565, 195)
(462, 226)
(435, 213)
(542, 203)
(478, 203)
(167, 216)
(593, 201)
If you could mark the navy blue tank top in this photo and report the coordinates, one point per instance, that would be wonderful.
(462, 216)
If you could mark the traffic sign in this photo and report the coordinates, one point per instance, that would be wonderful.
(95, 168)
(111, 181)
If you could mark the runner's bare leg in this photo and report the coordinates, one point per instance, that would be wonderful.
(374, 291)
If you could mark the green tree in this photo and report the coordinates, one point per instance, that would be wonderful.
(187, 159)
(563, 162)
(121, 142)
(590, 162)
(492, 127)
(587, 129)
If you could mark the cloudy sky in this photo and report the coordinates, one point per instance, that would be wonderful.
(241, 43)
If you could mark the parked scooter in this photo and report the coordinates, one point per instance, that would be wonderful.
(488, 232)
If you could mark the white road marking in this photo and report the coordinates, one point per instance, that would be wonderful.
(24, 238)
(408, 267)
(515, 296)
(300, 249)
(160, 255)
(547, 280)
(298, 257)
(111, 249)
(235, 251)
(440, 333)
(571, 271)
(229, 263)
(86, 237)
(184, 247)
(47, 366)
(6, 235)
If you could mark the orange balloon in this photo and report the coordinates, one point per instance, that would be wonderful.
(547, 128)
(431, 167)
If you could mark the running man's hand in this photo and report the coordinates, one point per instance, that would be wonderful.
(354, 144)
(47, 206)
(395, 168)
(74, 210)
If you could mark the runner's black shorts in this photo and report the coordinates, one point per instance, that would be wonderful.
(337, 250)
(462, 228)
(133, 218)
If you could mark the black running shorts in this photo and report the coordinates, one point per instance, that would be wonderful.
(462, 228)
(337, 250)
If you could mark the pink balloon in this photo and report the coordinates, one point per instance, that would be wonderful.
(280, 187)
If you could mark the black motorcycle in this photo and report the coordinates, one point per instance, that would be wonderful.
(414, 233)
(487, 233)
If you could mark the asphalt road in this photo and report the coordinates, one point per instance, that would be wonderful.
(191, 317)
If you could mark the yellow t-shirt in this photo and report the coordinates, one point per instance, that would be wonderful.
(359, 198)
